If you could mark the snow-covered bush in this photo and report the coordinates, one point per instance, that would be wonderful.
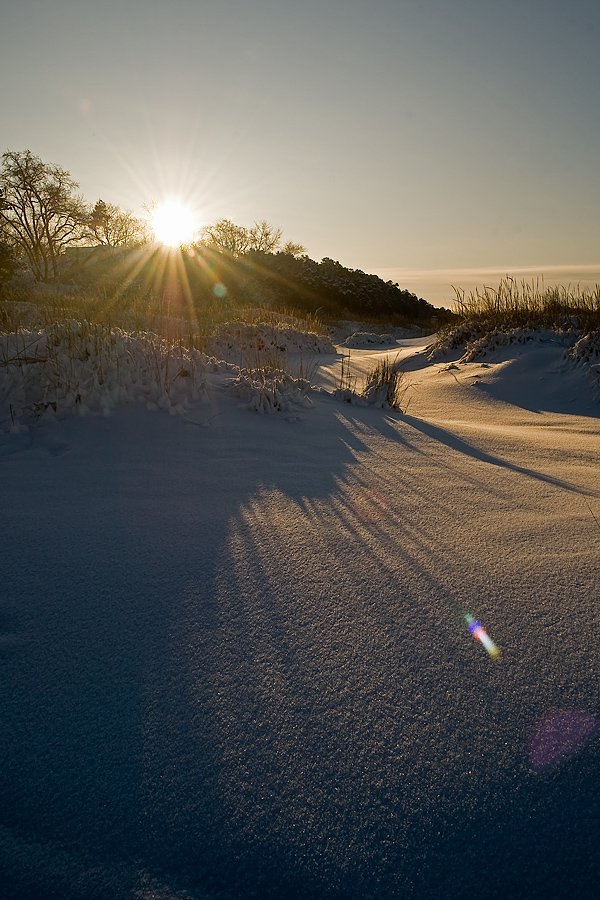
(361, 339)
(272, 390)
(479, 341)
(587, 349)
(498, 338)
(455, 339)
(247, 344)
(80, 367)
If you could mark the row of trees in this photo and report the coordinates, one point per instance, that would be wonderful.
(236, 240)
(284, 279)
(42, 214)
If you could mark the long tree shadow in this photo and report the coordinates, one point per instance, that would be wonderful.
(236, 672)
(443, 436)
(105, 556)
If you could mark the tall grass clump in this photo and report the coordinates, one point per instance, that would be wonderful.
(492, 316)
(131, 307)
(530, 304)
(382, 386)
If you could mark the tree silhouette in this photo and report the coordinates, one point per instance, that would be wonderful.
(236, 240)
(41, 210)
(114, 227)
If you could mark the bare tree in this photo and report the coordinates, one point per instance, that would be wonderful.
(9, 255)
(40, 208)
(227, 237)
(264, 238)
(290, 248)
(115, 227)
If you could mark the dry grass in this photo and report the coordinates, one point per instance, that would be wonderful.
(64, 350)
(137, 310)
(530, 304)
(383, 386)
(514, 308)
(75, 366)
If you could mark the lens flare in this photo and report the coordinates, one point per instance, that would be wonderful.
(480, 634)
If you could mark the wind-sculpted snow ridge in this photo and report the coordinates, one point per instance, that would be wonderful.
(582, 349)
(74, 367)
(240, 342)
(268, 391)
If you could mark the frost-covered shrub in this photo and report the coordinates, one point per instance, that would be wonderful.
(272, 390)
(360, 339)
(493, 340)
(586, 350)
(498, 338)
(455, 339)
(246, 344)
(479, 339)
(80, 367)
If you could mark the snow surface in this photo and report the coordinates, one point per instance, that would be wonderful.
(234, 658)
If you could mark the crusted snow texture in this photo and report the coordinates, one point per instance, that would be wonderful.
(75, 367)
(238, 342)
(360, 339)
(269, 391)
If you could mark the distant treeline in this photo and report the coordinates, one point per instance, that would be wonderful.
(278, 280)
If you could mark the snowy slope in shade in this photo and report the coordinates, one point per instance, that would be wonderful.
(233, 658)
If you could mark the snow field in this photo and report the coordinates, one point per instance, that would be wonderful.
(235, 656)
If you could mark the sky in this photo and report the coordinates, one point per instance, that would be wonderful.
(392, 135)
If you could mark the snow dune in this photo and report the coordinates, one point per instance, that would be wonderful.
(234, 655)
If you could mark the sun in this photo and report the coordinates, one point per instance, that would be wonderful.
(174, 223)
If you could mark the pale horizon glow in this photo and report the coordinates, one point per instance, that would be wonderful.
(386, 135)
(437, 285)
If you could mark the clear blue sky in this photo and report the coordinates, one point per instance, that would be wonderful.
(425, 134)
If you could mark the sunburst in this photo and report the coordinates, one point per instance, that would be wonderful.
(174, 223)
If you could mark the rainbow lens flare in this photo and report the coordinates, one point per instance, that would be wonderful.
(481, 635)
